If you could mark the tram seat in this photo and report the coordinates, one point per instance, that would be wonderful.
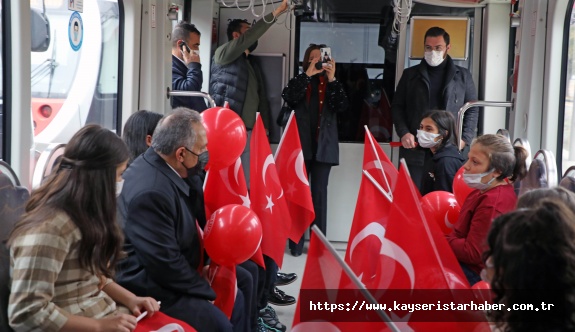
(542, 172)
(524, 143)
(536, 177)
(47, 162)
(568, 180)
(12, 202)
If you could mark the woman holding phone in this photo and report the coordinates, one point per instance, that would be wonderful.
(316, 97)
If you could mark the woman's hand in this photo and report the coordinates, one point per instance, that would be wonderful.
(117, 323)
(330, 70)
(137, 305)
(311, 70)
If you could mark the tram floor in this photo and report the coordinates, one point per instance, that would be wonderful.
(297, 265)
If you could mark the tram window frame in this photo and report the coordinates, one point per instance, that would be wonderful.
(567, 84)
(104, 53)
(370, 71)
(6, 89)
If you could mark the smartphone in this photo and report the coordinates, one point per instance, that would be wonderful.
(183, 44)
(325, 57)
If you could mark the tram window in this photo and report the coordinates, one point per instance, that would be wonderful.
(2, 117)
(360, 68)
(568, 150)
(75, 81)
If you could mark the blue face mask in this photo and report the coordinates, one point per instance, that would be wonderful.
(474, 180)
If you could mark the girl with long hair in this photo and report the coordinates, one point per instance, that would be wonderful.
(64, 249)
(437, 133)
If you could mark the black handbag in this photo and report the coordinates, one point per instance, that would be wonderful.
(283, 115)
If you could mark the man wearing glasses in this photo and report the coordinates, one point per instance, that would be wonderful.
(434, 84)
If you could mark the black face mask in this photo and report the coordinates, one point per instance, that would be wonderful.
(203, 159)
(253, 47)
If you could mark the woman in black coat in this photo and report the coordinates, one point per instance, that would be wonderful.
(316, 97)
(437, 133)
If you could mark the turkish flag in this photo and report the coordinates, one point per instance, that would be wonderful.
(293, 176)
(371, 213)
(224, 283)
(416, 256)
(161, 322)
(228, 186)
(377, 165)
(267, 195)
(320, 282)
(225, 186)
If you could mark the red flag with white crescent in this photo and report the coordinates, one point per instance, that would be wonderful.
(321, 279)
(225, 186)
(371, 212)
(293, 176)
(267, 196)
(224, 283)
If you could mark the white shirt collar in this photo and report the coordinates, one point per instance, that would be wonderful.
(170, 166)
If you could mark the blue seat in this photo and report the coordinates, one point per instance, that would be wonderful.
(12, 202)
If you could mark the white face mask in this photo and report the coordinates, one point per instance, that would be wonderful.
(474, 180)
(434, 58)
(119, 186)
(426, 139)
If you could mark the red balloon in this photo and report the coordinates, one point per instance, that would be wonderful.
(460, 188)
(232, 235)
(482, 291)
(226, 135)
(441, 207)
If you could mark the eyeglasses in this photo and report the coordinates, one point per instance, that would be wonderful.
(195, 154)
(317, 45)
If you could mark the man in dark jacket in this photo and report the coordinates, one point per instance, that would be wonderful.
(164, 257)
(237, 80)
(435, 84)
(186, 67)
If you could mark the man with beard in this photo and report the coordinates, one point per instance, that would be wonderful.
(434, 84)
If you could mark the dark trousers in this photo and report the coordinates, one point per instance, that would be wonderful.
(248, 284)
(201, 314)
(267, 281)
(471, 276)
(319, 177)
(415, 159)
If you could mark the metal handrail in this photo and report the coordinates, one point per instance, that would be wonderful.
(178, 93)
(471, 104)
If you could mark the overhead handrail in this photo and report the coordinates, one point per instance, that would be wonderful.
(178, 93)
(471, 104)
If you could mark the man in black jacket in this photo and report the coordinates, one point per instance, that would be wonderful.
(186, 67)
(435, 84)
(164, 257)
